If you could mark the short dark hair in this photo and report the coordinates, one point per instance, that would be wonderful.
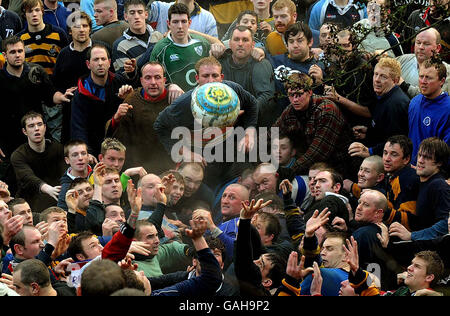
(296, 28)
(102, 278)
(216, 243)
(272, 223)
(97, 45)
(404, 142)
(155, 63)
(277, 202)
(139, 224)
(14, 202)
(133, 2)
(178, 8)
(438, 65)
(31, 114)
(242, 28)
(75, 246)
(131, 280)
(336, 234)
(33, 271)
(336, 177)
(249, 12)
(128, 292)
(72, 143)
(78, 181)
(278, 270)
(19, 238)
(11, 41)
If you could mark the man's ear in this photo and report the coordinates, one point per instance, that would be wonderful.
(35, 289)
(338, 186)
(18, 249)
(24, 132)
(380, 177)
(429, 278)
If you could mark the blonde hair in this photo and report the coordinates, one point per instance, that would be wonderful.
(395, 70)
(280, 4)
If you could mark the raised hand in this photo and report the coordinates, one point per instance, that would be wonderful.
(316, 283)
(71, 199)
(384, 236)
(11, 227)
(286, 186)
(108, 226)
(129, 66)
(198, 228)
(135, 199)
(122, 110)
(351, 251)
(168, 181)
(99, 174)
(316, 221)
(295, 269)
(250, 209)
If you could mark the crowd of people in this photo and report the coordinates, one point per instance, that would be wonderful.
(100, 196)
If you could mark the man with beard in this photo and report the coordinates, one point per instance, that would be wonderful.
(97, 98)
(71, 63)
(285, 14)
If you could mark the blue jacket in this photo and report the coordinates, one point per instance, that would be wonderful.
(57, 17)
(428, 118)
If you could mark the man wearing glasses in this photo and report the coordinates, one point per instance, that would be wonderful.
(320, 123)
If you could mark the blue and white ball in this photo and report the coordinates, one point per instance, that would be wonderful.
(215, 105)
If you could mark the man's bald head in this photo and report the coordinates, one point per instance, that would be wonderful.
(149, 185)
(232, 198)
